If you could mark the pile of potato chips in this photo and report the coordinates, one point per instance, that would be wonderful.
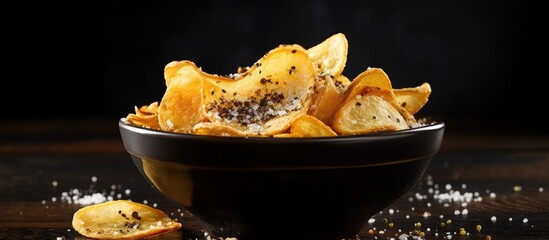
(290, 92)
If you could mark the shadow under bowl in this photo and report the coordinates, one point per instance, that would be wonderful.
(283, 188)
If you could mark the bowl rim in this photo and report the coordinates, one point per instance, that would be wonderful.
(433, 125)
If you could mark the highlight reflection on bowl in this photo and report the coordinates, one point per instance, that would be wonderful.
(299, 188)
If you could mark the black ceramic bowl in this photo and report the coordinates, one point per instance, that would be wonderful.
(293, 188)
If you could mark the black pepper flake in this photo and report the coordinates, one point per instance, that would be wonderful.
(119, 211)
(136, 215)
(213, 92)
(293, 51)
(374, 117)
(223, 90)
(398, 119)
(234, 94)
(259, 71)
(263, 81)
(291, 70)
(403, 104)
(358, 104)
(389, 116)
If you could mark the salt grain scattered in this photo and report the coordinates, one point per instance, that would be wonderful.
(525, 220)
(464, 212)
(128, 191)
(493, 195)
(540, 189)
(54, 183)
(371, 220)
(155, 205)
(94, 179)
(510, 219)
(493, 219)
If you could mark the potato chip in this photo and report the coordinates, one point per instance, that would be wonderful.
(216, 129)
(145, 116)
(181, 105)
(326, 100)
(375, 80)
(367, 114)
(309, 126)
(275, 90)
(122, 219)
(330, 56)
(413, 99)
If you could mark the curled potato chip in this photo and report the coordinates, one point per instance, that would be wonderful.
(181, 105)
(376, 81)
(265, 101)
(122, 219)
(145, 116)
(309, 126)
(413, 99)
(330, 56)
(367, 114)
(216, 129)
(326, 100)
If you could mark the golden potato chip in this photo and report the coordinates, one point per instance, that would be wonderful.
(330, 56)
(145, 116)
(181, 105)
(413, 99)
(376, 81)
(276, 89)
(216, 129)
(326, 100)
(122, 219)
(309, 126)
(367, 114)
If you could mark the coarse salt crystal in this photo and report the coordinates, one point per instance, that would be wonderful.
(169, 123)
(128, 191)
(525, 220)
(94, 179)
(510, 219)
(391, 211)
(493, 219)
(540, 189)
(457, 212)
(54, 183)
(493, 195)
(448, 186)
(371, 220)
(464, 212)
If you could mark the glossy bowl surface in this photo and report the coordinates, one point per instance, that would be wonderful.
(283, 188)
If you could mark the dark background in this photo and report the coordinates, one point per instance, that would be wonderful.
(96, 60)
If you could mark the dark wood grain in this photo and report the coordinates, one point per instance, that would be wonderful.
(485, 164)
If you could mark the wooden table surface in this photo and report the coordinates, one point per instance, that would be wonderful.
(505, 178)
